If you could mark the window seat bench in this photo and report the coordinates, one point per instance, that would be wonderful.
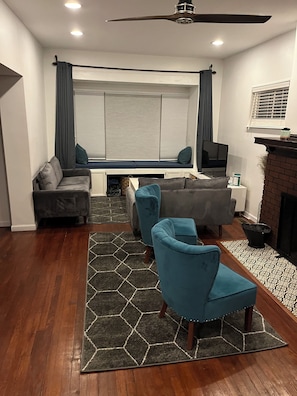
(133, 164)
(101, 171)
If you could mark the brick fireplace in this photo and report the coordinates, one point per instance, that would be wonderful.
(280, 177)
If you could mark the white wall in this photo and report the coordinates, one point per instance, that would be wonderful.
(16, 148)
(4, 199)
(23, 117)
(266, 63)
(136, 62)
(292, 100)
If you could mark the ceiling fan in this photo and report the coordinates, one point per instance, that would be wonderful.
(185, 13)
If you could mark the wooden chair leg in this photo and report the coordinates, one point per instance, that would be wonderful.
(148, 254)
(191, 330)
(163, 310)
(248, 318)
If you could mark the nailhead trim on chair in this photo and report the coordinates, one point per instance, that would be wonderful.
(211, 320)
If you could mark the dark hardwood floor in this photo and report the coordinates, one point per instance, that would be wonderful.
(42, 293)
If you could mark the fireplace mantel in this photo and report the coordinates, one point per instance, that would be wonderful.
(279, 146)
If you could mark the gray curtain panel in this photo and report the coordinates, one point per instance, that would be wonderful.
(65, 140)
(205, 126)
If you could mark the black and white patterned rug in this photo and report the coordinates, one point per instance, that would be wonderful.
(276, 273)
(122, 326)
(108, 210)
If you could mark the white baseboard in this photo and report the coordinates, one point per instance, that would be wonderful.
(250, 217)
(5, 223)
(24, 227)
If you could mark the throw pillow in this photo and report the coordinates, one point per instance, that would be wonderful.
(185, 155)
(81, 155)
(176, 183)
(215, 182)
(55, 163)
(47, 177)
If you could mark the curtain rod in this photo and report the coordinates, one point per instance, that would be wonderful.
(132, 69)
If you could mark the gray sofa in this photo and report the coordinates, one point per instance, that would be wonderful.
(207, 201)
(61, 192)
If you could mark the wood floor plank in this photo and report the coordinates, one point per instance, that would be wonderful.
(42, 297)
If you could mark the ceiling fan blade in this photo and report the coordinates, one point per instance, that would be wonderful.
(172, 17)
(185, 17)
(229, 18)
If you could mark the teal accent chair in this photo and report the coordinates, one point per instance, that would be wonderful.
(195, 284)
(148, 204)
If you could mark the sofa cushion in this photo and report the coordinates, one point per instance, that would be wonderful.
(55, 163)
(47, 177)
(165, 184)
(75, 183)
(185, 155)
(81, 155)
(215, 182)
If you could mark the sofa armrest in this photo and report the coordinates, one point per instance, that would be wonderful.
(61, 203)
(131, 210)
(78, 172)
(232, 205)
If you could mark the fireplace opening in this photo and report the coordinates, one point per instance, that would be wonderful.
(287, 230)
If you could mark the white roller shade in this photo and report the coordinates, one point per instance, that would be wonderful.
(89, 123)
(173, 126)
(133, 125)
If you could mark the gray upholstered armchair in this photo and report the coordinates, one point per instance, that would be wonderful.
(195, 284)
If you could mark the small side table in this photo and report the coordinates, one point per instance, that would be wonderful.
(239, 193)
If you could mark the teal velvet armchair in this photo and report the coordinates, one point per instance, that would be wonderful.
(195, 284)
(148, 204)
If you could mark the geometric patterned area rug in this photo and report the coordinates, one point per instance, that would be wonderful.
(122, 326)
(276, 273)
(108, 210)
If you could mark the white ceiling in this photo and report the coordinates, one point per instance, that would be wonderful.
(51, 22)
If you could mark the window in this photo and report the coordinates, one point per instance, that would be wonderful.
(131, 121)
(269, 105)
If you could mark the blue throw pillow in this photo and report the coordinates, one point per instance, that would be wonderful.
(81, 155)
(185, 155)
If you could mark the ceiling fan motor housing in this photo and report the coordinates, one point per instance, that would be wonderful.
(184, 7)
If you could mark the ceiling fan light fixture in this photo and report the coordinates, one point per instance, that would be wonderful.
(184, 21)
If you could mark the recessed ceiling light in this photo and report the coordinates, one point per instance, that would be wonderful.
(76, 33)
(217, 43)
(73, 5)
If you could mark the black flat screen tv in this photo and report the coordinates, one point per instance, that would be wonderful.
(214, 158)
